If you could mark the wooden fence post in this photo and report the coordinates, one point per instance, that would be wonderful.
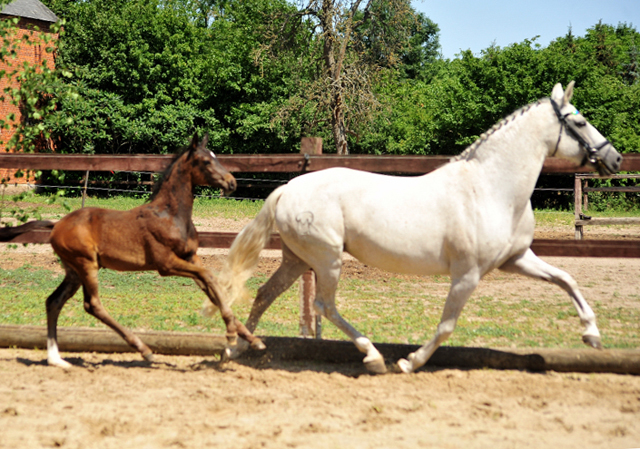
(84, 191)
(577, 209)
(310, 324)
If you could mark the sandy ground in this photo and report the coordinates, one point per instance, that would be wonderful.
(118, 401)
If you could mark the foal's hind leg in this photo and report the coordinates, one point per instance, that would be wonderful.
(54, 304)
(93, 306)
(530, 265)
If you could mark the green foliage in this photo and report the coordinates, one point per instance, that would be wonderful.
(464, 97)
(251, 73)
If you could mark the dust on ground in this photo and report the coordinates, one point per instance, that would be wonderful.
(119, 401)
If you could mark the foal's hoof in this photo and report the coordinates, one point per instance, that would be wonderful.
(60, 363)
(593, 341)
(258, 345)
(148, 357)
(375, 366)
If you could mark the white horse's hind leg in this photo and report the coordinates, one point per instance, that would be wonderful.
(461, 289)
(530, 265)
(291, 268)
(326, 284)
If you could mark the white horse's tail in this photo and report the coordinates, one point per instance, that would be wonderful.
(244, 253)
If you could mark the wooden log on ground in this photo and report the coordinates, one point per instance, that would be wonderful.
(105, 340)
(331, 351)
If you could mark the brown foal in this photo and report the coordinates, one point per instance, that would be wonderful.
(158, 235)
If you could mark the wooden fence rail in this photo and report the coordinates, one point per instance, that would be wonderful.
(265, 163)
(542, 247)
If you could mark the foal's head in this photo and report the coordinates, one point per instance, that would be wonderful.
(206, 169)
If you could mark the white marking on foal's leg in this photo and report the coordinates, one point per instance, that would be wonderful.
(53, 356)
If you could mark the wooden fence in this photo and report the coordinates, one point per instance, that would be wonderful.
(300, 163)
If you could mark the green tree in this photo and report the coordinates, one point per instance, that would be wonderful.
(351, 41)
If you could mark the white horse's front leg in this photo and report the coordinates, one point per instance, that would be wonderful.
(531, 265)
(459, 293)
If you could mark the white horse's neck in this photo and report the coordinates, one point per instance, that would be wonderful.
(510, 155)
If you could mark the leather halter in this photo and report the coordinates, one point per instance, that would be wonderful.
(591, 152)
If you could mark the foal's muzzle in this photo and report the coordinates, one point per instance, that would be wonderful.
(229, 183)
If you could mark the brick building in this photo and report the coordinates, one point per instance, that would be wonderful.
(35, 20)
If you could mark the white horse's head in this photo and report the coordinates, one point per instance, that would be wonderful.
(578, 140)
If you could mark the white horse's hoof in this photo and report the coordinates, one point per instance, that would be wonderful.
(375, 366)
(405, 366)
(233, 352)
(593, 341)
(60, 363)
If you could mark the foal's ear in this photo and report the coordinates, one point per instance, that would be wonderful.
(193, 146)
(204, 141)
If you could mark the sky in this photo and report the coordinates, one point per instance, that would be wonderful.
(477, 24)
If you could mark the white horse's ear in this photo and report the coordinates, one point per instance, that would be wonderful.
(568, 93)
(557, 94)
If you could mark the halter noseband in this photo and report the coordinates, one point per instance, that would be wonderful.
(591, 152)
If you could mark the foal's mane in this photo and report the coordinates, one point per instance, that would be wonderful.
(166, 173)
(470, 151)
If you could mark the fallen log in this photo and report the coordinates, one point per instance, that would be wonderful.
(331, 351)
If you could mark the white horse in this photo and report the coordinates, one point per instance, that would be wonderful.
(464, 219)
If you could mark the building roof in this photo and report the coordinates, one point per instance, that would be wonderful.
(29, 9)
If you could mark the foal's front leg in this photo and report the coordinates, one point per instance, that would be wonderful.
(208, 284)
(531, 265)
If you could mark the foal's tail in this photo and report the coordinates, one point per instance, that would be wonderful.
(245, 250)
(9, 233)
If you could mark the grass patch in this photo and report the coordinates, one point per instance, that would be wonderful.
(390, 310)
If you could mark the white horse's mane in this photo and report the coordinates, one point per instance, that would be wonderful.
(470, 151)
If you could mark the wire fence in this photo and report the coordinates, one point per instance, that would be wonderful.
(147, 188)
